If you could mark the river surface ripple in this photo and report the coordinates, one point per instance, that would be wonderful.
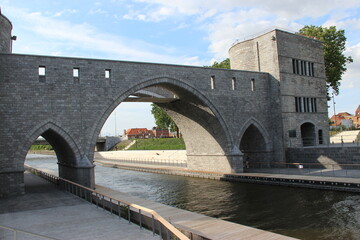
(300, 213)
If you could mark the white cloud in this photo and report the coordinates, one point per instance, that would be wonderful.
(351, 78)
(66, 11)
(228, 20)
(81, 40)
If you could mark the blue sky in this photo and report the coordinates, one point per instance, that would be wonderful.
(195, 32)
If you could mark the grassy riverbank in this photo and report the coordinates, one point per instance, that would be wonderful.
(159, 144)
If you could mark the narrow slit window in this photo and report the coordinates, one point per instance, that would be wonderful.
(107, 73)
(212, 82)
(320, 135)
(42, 71)
(297, 66)
(252, 84)
(293, 65)
(76, 72)
(312, 70)
(233, 83)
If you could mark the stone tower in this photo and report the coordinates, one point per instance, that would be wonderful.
(297, 63)
(5, 34)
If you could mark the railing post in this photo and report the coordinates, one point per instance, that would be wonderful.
(153, 224)
(102, 202)
(140, 219)
(129, 213)
(160, 232)
(111, 209)
(97, 200)
(119, 209)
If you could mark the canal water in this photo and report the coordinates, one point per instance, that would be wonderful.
(300, 213)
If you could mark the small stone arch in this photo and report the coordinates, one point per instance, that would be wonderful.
(65, 147)
(72, 164)
(255, 144)
(308, 134)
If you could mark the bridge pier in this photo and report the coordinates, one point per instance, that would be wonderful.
(83, 175)
(12, 182)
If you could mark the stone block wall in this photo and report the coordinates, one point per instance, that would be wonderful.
(273, 52)
(325, 155)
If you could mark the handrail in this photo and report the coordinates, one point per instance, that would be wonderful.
(151, 212)
(300, 163)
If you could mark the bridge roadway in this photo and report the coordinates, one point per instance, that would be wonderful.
(46, 211)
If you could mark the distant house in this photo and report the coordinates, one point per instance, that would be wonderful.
(138, 133)
(160, 133)
(346, 119)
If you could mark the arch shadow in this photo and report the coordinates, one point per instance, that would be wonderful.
(255, 144)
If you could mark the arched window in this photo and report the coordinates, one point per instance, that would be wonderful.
(308, 134)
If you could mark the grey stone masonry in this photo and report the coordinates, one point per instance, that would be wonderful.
(5, 34)
(297, 63)
(326, 156)
(225, 116)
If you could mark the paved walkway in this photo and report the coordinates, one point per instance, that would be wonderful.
(46, 211)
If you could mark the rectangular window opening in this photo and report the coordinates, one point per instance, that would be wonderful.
(212, 82)
(42, 70)
(252, 84)
(107, 73)
(320, 135)
(233, 83)
(76, 72)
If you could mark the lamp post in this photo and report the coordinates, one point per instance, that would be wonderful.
(334, 109)
(115, 123)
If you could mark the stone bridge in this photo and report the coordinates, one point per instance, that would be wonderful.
(222, 114)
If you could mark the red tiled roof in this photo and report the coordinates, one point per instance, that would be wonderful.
(136, 131)
(357, 111)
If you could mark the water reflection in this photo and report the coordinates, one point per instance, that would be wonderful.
(301, 213)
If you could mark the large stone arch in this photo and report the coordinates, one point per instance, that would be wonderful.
(255, 143)
(72, 164)
(192, 111)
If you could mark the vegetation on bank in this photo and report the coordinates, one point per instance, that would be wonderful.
(122, 145)
(159, 144)
(41, 147)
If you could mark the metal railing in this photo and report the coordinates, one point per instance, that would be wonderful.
(152, 161)
(144, 217)
(344, 139)
(9, 233)
(317, 169)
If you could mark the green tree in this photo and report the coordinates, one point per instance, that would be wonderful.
(334, 46)
(224, 64)
(162, 119)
